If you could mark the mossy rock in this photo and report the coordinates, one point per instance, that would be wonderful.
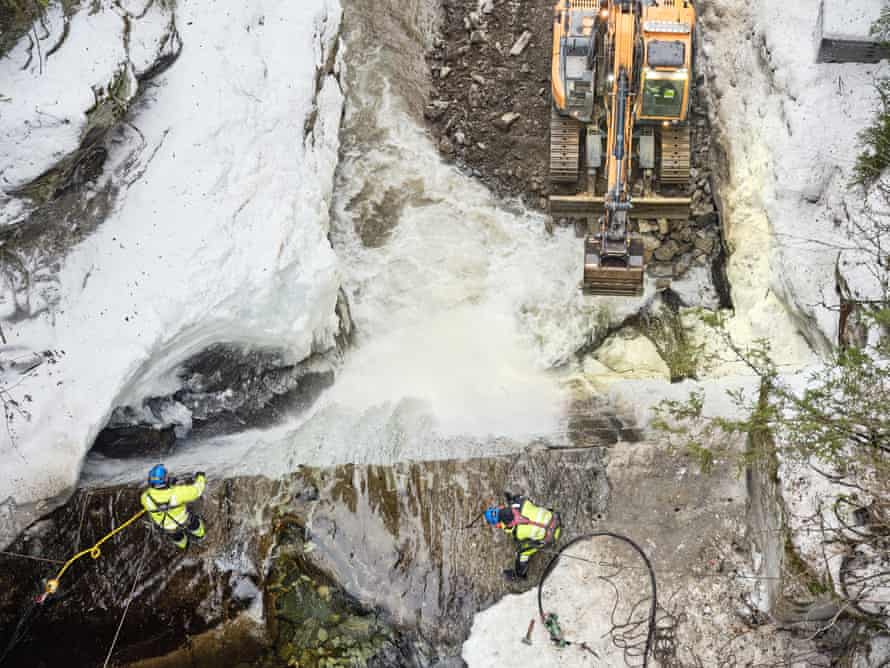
(319, 624)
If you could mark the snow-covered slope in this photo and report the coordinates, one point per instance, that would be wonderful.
(49, 90)
(790, 128)
(219, 234)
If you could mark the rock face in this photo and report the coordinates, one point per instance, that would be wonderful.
(317, 551)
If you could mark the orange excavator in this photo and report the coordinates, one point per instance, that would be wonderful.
(621, 77)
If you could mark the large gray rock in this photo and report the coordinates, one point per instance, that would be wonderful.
(398, 539)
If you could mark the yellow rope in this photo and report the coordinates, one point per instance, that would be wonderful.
(52, 586)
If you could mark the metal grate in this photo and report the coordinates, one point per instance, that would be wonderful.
(667, 26)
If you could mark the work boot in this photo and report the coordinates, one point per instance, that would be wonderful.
(196, 528)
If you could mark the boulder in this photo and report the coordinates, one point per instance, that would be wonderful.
(667, 251)
(704, 243)
(703, 208)
(521, 43)
(650, 244)
(706, 219)
(662, 270)
(682, 265)
(505, 121)
(682, 232)
(635, 357)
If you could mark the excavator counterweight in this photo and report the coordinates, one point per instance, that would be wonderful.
(621, 76)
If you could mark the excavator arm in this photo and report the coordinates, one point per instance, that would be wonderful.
(613, 258)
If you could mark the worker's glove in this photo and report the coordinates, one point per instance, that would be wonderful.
(510, 497)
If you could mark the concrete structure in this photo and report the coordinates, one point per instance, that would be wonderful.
(844, 32)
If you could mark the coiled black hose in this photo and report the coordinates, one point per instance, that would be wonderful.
(650, 636)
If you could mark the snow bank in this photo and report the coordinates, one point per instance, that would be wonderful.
(219, 233)
(849, 20)
(790, 126)
(50, 87)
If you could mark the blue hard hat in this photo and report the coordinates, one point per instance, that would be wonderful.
(491, 515)
(157, 477)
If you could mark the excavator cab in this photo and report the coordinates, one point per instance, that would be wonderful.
(665, 83)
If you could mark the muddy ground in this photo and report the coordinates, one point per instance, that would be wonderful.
(476, 81)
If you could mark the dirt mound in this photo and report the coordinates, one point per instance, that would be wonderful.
(490, 106)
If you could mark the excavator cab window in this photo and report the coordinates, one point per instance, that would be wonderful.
(663, 95)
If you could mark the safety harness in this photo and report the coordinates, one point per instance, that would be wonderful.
(166, 508)
(549, 528)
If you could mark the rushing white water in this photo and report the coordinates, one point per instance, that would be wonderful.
(467, 313)
(463, 306)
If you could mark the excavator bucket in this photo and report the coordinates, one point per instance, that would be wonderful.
(607, 272)
(616, 270)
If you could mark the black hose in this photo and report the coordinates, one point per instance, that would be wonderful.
(653, 608)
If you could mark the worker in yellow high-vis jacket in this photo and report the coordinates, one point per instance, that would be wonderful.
(531, 526)
(166, 501)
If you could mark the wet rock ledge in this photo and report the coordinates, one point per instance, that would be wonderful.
(352, 565)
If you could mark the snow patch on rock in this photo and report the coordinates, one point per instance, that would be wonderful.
(51, 87)
(790, 128)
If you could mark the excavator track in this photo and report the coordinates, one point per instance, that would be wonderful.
(565, 148)
(676, 155)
